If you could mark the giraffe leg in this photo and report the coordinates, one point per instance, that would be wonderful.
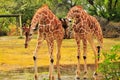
(78, 58)
(59, 42)
(35, 56)
(85, 57)
(96, 58)
(50, 43)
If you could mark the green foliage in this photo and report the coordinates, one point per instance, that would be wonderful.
(108, 9)
(110, 67)
(4, 27)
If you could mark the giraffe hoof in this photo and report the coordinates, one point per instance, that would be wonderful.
(85, 78)
(59, 78)
(77, 78)
(95, 74)
(53, 78)
(36, 77)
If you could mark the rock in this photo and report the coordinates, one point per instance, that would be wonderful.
(110, 29)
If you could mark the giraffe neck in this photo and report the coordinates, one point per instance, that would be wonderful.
(36, 18)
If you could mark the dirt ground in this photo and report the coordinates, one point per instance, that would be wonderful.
(67, 73)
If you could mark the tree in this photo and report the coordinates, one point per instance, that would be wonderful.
(108, 9)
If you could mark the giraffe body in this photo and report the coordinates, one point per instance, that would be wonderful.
(49, 29)
(85, 27)
(84, 24)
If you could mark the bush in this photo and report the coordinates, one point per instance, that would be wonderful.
(12, 30)
(110, 67)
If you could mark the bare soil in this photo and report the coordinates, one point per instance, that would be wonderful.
(67, 73)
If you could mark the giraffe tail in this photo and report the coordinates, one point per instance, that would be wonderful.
(99, 48)
(100, 42)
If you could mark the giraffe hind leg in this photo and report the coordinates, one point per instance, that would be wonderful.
(96, 60)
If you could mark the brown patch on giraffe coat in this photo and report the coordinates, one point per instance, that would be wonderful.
(37, 16)
(50, 16)
(81, 31)
(47, 28)
(47, 21)
(45, 12)
(45, 17)
(55, 21)
(79, 7)
(41, 28)
(58, 25)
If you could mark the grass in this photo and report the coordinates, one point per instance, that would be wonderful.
(13, 54)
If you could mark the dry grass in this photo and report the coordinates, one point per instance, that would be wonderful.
(13, 54)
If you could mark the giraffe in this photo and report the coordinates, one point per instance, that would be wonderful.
(49, 29)
(85, 28)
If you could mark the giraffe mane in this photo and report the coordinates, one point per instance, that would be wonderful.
(44, 5)
(79, 7)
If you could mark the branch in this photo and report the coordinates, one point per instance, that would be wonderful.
(115, 4)
(91, 2)
(110, 5)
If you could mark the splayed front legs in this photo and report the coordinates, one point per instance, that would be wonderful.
(59, 42)
(78, 58)
(35, 56)
(50, 43)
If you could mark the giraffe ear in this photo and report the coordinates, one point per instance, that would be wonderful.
(66, 19)
(69, 20)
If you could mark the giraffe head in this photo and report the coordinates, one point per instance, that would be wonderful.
(69, 23)
(26, 31)
(64, 22)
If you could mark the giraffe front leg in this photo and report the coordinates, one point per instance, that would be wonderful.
(85, 57)
(35, 57)
(35, 66)
(51, 66)
(96, 58)
(59, 42)
(78, 58)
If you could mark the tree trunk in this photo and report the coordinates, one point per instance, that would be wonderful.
(115, 4)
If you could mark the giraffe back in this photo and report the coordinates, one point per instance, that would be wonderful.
(47, 22)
